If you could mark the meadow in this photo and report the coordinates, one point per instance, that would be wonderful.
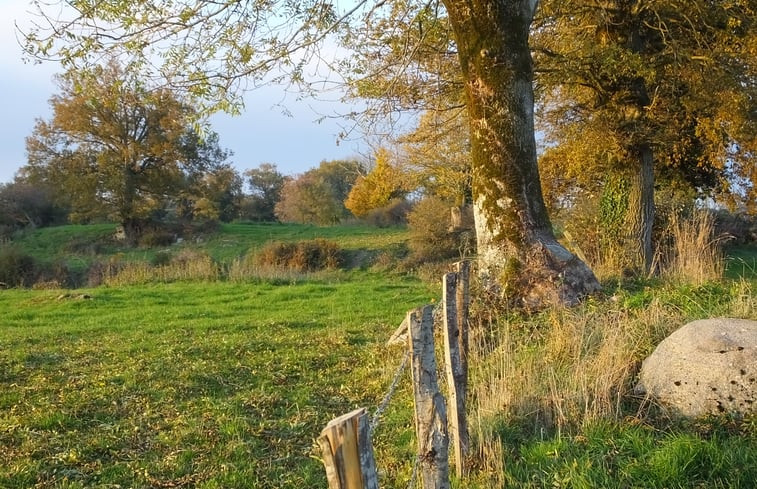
(225, 383)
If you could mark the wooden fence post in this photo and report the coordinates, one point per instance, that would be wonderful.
(348, 453)
(463, 307)
(430, 412)
(456, 376)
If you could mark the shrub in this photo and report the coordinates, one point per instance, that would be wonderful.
(54, 275)
(431, 238)
(157, 237)
(17, 269)
(99, 272)
(304, 256)
(392, 214)
(161, 258)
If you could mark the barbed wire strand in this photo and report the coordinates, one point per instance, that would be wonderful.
(388, 397)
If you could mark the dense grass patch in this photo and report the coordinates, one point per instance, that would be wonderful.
(191, 385)
(632, 454)
(554, 403)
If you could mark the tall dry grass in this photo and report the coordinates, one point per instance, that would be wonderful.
(188, 265)
(695, 252)
(555, 371)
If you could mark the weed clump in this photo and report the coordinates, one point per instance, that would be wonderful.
(304, 256)
(17, 269)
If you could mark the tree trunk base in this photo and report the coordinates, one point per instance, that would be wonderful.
(552, 275)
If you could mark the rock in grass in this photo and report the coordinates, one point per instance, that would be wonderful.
(706, 367)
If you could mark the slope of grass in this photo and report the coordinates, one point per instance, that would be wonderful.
(190, 385)
(78, 247)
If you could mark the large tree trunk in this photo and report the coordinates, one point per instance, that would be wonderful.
(131, 224)
(641, 210)
(517, 248)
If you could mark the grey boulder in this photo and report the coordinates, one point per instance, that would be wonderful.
(705, 367)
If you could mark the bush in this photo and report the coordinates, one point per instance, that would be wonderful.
(304, 256)
(54, 275)
(156, 238)
(392, 214)
(431, 238)
(100, 272)
(161, 258)
(17, 269)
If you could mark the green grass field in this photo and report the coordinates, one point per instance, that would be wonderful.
(189, 384)
(226, 384)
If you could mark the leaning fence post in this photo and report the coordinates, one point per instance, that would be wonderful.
(347, 452)
(430, 412)
(456, 376)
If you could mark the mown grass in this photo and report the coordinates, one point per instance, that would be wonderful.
(189, 384)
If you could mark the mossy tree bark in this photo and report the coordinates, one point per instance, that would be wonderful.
(517, 248)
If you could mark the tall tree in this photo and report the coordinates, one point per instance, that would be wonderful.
(266, 183)
(317, 196)
(114, 146)
(25, 205)
(224, 44)
(649, 90)
(384, 183)
(211, 188)
(438, 150)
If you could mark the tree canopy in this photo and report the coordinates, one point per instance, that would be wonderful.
(652, 91)
(317, 196)
(116, 148)
(384, 183)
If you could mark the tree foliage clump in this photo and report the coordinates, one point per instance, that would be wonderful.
(432, 237)
(382, 185)
(25, 205)
(265, 183)
(656, 93)
(317, 196)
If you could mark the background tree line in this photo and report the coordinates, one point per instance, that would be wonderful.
(118, 150)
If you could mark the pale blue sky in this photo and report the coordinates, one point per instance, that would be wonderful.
(262, 134)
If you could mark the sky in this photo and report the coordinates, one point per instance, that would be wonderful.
(274, 128)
